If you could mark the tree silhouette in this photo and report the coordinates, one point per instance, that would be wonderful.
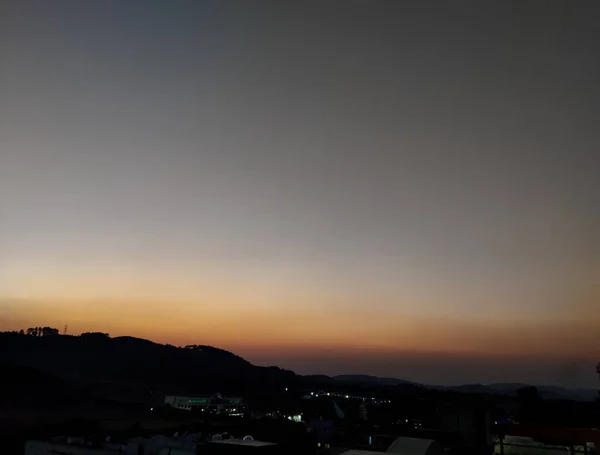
(49, 331)
(40, 331)
(36, 331)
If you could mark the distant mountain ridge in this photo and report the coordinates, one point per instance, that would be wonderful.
(128, 360)
(99, 358)
(546, 392)
(368, 380)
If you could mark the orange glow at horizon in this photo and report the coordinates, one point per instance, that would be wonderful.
(279, 322)
(312, 329)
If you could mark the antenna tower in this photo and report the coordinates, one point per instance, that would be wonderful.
(67, 326)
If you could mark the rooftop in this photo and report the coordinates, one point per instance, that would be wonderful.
(242, 442)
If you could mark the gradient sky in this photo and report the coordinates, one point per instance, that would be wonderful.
(408, 189)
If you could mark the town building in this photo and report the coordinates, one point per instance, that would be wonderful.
(213, 403)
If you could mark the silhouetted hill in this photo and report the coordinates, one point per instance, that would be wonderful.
(367, 380)
(548, 392)
(510, 389)
(25, 386)
(470, 388)
(20, 376)
(320, 380)
(99, 358)
(134, 362)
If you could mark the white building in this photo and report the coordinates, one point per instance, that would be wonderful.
(215, 402)
(187, 403)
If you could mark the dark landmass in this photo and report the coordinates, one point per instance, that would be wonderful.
(94, 384)
(99, 360)
(126, 363)
(371, 380)
(509, 389)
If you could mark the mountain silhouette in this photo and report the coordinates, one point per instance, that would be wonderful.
(510, 389)
(368, 380)
(136, 364)
(101, 359)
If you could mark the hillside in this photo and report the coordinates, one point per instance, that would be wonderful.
(24, 387)
(137, 364)
(508, 389)
(125, 360)
(371, 381)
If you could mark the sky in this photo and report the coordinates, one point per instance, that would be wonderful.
(406, 189)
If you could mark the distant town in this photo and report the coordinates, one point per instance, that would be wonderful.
(93, 394)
